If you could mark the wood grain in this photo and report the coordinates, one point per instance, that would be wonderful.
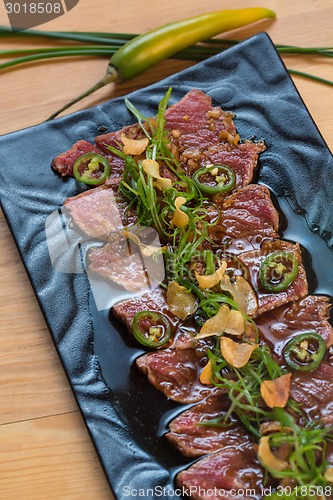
(46, 451)
(50, 457)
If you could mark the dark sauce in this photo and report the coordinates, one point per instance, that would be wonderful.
(317, 256)
(145, 410)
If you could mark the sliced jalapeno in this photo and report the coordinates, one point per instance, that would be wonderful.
(278, 271)
(305, 352)
(91, 168)
(151, 329)
(215, 179)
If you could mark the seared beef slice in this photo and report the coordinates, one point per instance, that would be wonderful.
(175, 372)
(201, 134)
(310, 314)
(195, 123)
(296, 290)
(241, 158)
(95, 212)
(313, 390)
(152, 301)
(194, 439)
(64, 162)
(221, 475)
(247, 217)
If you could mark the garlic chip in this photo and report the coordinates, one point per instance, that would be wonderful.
(251, 331)
(212, 279)
(242, 293)
(181, 302)
(152, 167)
(180, 218)
(267, 458)
(225, 321)
(147, 250)
(134, 146)
(329, 475)
(276, 392)
(206, 374)
(236, 325)
(236, 354)
(215, 325)
(272, 426)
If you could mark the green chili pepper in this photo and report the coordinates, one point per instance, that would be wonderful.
(91, 168)
(148, 49)
(221, 182)
(305, 352)
(151, 329)
(278, 271)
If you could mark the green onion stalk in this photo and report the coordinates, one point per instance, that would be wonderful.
(132, 54)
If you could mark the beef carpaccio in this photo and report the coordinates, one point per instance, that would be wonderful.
(231, 330)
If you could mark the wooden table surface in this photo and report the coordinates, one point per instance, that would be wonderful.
(45, 450)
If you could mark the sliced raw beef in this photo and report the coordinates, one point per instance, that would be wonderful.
(193, 439)
(296, 290)
(176, 373)
(233, 473)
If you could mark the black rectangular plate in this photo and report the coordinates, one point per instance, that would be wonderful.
(124, 414)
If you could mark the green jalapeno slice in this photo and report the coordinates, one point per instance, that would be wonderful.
(215, 179)
(305, 352)
(91, 168)
(150, 328)
(278, 271)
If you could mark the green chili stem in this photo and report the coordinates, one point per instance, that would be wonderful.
(111, 76)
